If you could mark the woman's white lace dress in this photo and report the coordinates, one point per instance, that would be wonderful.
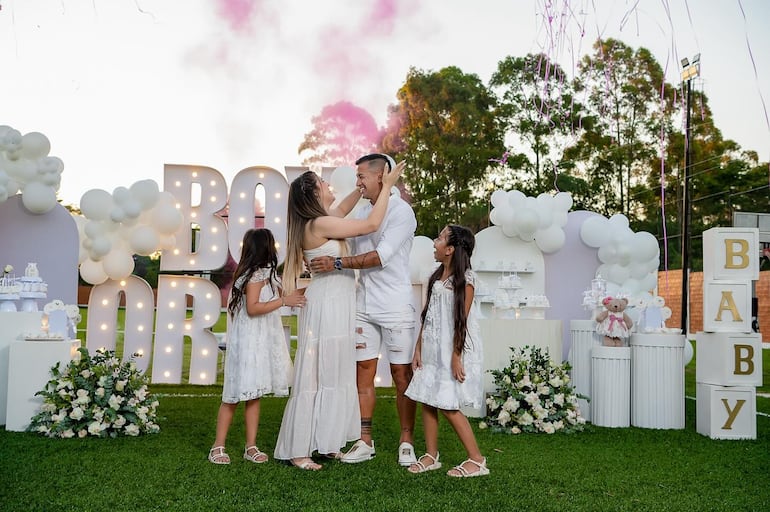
(257, 360)
(434, 384)
(322, 413)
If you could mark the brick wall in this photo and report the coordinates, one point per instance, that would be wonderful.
(670, 288)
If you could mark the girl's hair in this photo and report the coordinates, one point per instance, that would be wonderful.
(258, 251)
(462, 239)
(304, 206)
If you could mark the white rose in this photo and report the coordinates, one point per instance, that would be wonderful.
(482, 425)
(120, 385)
(515, 430)
(511, 404)
(76, 414)
(558, 425)
(503, 417)
(115, 401)
(82, 433)
(86, 373)
(555, 382)
(525, 419)
(507, 379)
(532, 398)
(548, 428)
(141, 393)
(120, 421)
(132, 430)
(8, 269)
(68, 433)
(95, 428)
(559, 399)
(99, 392)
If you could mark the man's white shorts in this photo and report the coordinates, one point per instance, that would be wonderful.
(392, 334)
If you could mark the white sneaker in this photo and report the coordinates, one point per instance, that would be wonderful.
(359, 452)
(406, 454)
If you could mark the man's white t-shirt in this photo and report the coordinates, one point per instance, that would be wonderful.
(387, 288)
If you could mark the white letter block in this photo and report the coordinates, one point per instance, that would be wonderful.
(726, 413)
(731, 253)
(727, 306)
(726, 359)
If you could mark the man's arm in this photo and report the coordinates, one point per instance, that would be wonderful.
(326, 263)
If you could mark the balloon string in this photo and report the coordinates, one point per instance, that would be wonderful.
(663, 176)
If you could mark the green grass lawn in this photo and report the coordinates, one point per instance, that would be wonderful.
(599, 469)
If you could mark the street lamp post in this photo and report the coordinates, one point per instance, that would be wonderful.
(690, 70)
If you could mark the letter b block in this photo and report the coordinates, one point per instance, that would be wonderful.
(729, 359)
(726, 413)
(731, 253)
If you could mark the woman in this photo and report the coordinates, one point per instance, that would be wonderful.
(322, 413)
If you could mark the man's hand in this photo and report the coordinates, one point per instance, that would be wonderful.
(321, 264)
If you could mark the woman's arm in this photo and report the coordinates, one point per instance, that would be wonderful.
(254, 307)
(347, 204)
(335, 227)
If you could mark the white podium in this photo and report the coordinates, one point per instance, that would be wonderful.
(498, 335)
(29, 370)
(12, 325)
(611, 386)
(657, 381)
(584, 339)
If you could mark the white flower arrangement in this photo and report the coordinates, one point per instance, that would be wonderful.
(97, 396)
(7, 269)
(533, 395)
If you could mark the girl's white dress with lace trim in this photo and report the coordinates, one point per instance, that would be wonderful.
(322, 413)
(257, 360)
(434, 384)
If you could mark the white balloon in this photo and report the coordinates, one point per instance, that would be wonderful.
(132, 207)
(167, 242)
(121, 195)
(117, 214)
(688, 352)
(96, 204)
(50, 165)
(618, 274)
(166, 218)
(92, 272)
(38, 198)
(499, 198)
(22, 170)
(3, 175)
(118, 264)
(594, 232)
(509, 230)
(645, 246)
(494, 215)
(93, 228)
(3, 194)
(619, 221)
(516, 198)
(100, 247)
(146, 192)
(607, 254)
(560, 218)
(420, 256)
(34, 145)
(665, 312)
(649, 282)
(526, 221)
(505, 214)
(144, 240)
(563, 201)
(551, 239)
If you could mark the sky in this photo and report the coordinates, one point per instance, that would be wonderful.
(122, 87)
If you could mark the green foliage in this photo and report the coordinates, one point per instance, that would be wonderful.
(98, 396)
(445, 127)
(533, 394)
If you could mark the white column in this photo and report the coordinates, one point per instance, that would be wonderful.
(583, 340)
(657, 380)
(611, 386)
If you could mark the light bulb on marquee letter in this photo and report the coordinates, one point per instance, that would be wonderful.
(103, 312)
(172, 325)
(212, 230)
(242, 205)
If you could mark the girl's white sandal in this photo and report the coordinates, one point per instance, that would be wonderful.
(257, 457)
(420, 467)
(464, 473)
(217, 455)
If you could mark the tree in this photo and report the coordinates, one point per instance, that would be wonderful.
(444, 125)
(537, 105)
(622, 89)
(341, 133)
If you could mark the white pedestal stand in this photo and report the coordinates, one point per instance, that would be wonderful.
(611, 386)
(11, 326)
(29, 370)
(584, 339)
(657, 381)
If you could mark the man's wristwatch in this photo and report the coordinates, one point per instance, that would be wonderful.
(338, 263)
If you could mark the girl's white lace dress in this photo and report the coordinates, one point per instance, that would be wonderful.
(322, 413)
(257, 360)
(434, 384)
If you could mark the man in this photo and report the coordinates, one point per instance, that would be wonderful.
(385, 315)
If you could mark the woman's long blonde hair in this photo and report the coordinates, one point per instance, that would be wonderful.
(304, 206)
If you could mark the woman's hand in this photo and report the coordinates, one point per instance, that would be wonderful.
(458, 371)
(417, 358)
(295, 299)
(390, 178)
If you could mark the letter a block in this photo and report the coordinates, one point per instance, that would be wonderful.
(731, 254)
(727, 306)
(729, 359)
(726, 413)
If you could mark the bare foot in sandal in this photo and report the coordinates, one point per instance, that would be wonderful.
(425, 463)
(253, 454)
(470, 468)
(217, 455)
(306, 464)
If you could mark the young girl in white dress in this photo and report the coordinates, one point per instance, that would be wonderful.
(257, 359)
(447, 359)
